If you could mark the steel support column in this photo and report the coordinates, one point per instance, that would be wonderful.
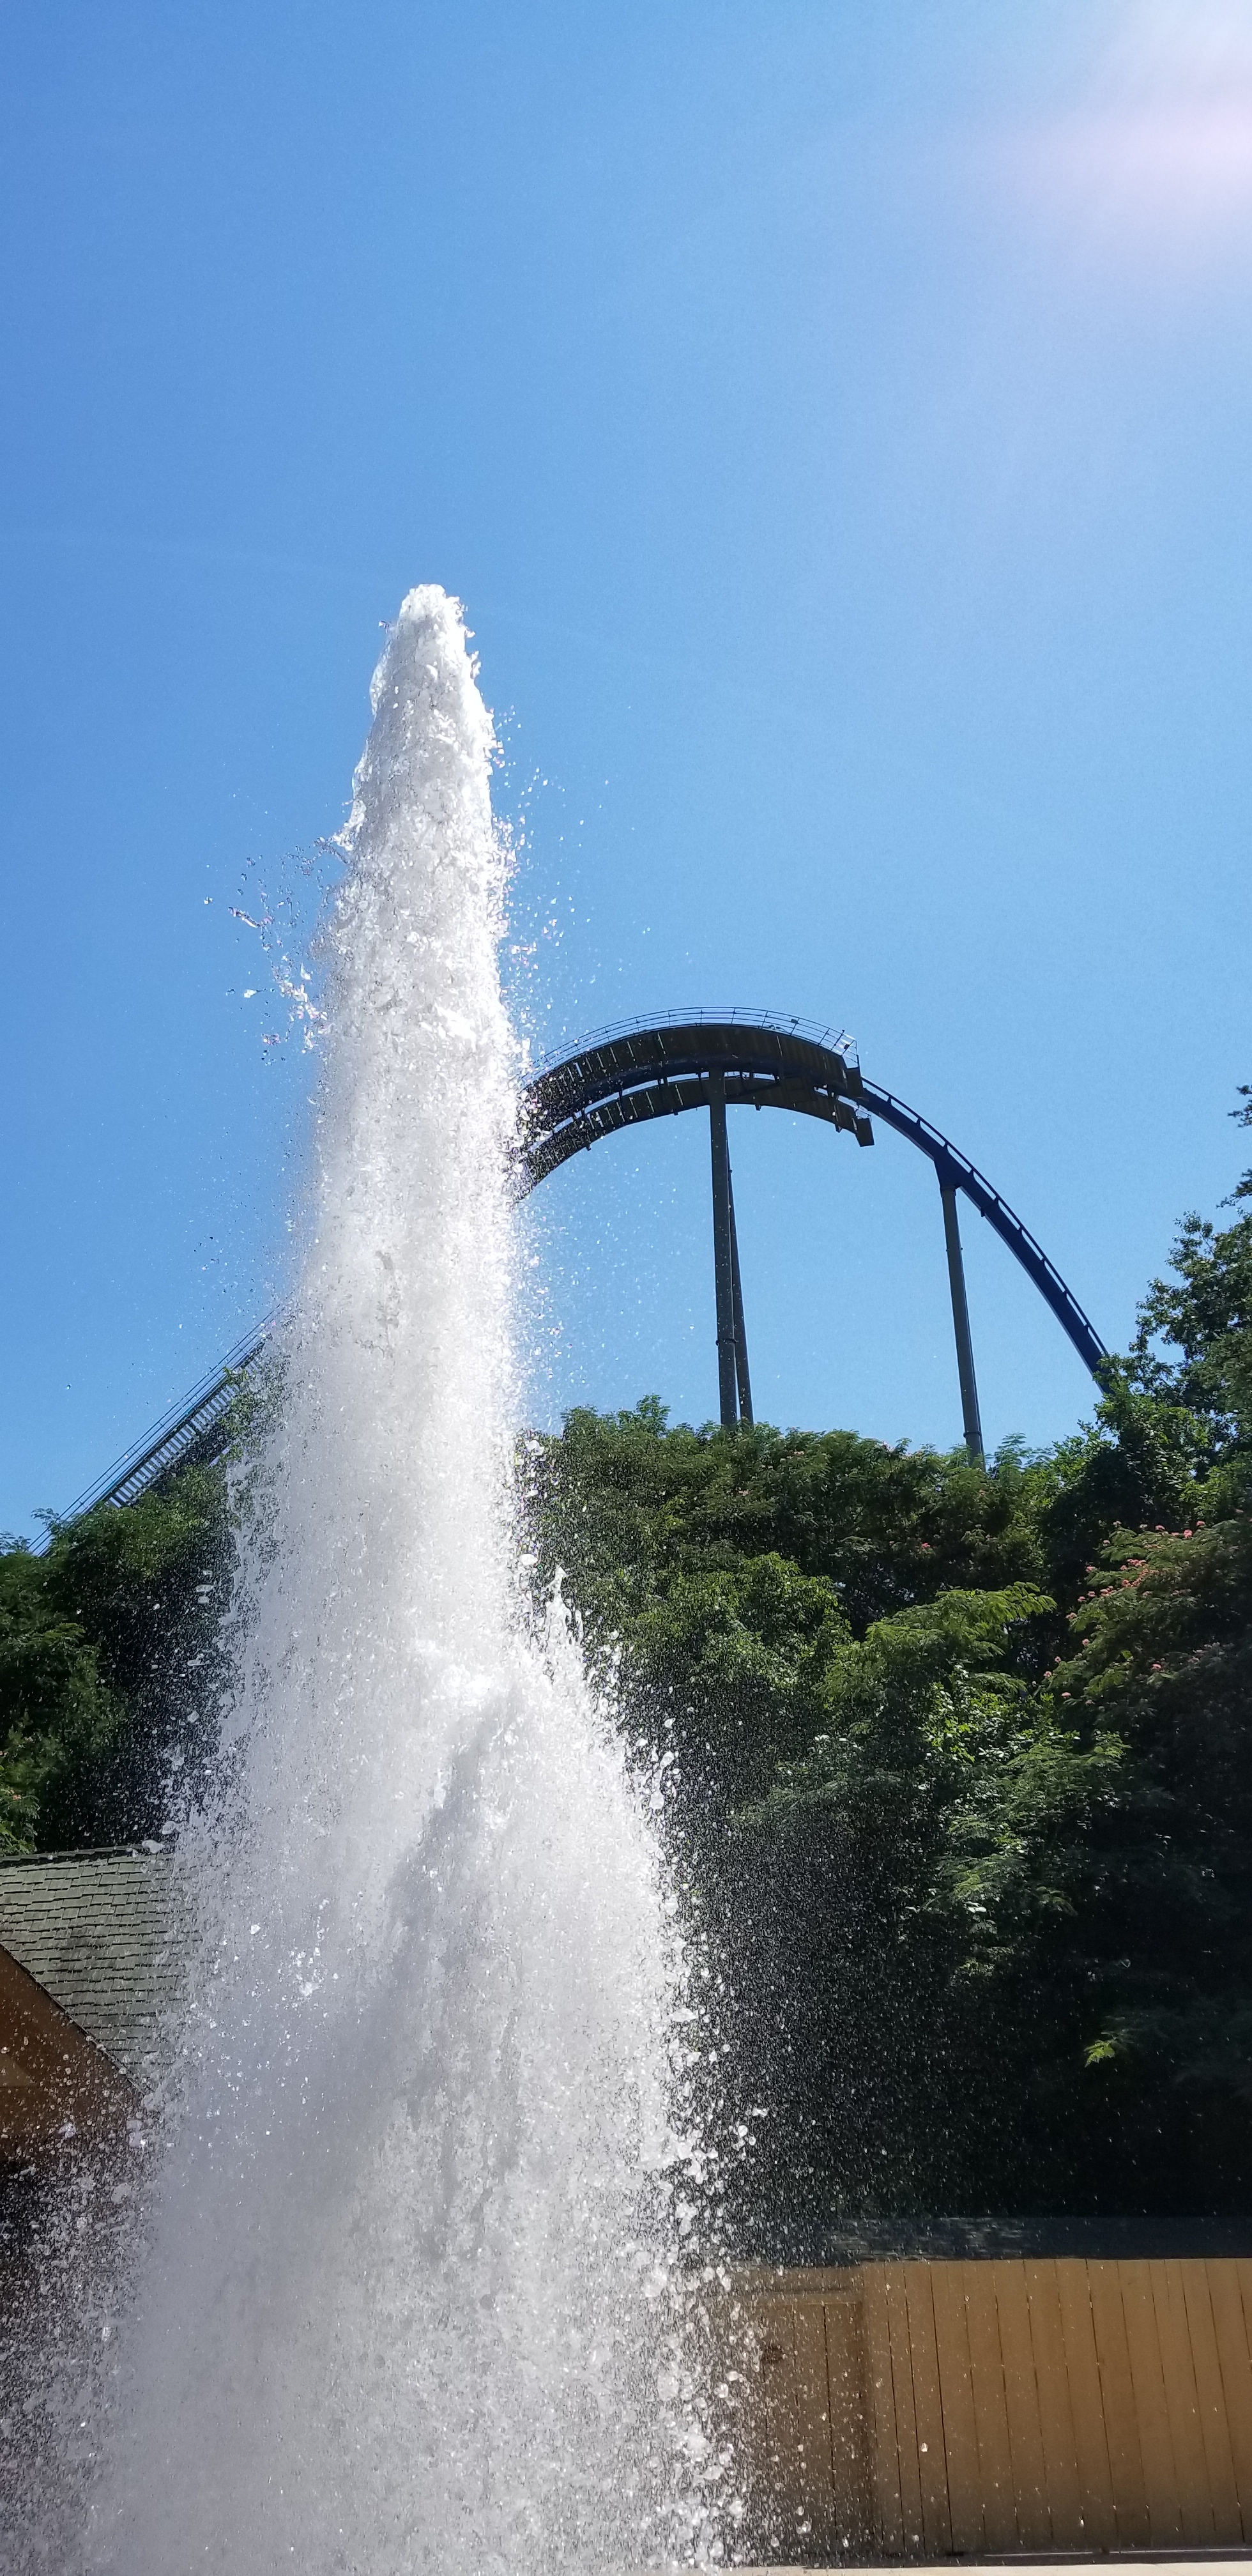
(723, 1257)
(960, 1323)
(741, 1338)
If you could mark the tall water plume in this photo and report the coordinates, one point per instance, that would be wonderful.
(402, 2297)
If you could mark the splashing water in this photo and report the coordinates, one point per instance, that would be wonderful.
(406, 2299)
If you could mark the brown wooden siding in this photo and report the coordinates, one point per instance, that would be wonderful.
(55, 2084)
(936, 2409)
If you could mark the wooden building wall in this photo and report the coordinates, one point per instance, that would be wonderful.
(937, 2409)
(55, 2083)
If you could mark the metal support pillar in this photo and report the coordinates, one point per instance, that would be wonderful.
(741, 1338)
(723, 1255)
(960, 1322)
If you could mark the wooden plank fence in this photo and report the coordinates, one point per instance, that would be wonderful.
(971, 2409)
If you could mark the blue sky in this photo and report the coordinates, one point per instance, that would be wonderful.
(836, 421)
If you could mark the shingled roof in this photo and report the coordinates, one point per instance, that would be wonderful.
(102, 1933)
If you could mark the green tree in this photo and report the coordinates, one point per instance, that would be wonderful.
(883, 1902)
(960, 1780)
(624, 1504)
(58, 1717)
(725, 1669)
(111, 1659)
(1162, 1662)
(1205, 1315)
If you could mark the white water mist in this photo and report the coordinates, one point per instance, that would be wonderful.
(407, 2286)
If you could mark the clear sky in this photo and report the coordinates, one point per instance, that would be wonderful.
(836, 420)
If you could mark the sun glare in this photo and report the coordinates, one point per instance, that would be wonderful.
(1158, 154)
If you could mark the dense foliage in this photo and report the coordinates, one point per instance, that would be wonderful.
(959, 1761)
(110, 1650)
(963, 1765)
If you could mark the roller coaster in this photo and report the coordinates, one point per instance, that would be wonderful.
(638, 1070)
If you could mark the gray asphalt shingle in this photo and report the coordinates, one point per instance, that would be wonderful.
(101, 1932)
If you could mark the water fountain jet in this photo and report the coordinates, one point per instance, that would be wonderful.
(407, 2280)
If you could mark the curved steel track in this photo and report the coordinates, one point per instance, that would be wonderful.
(622, 1077)
(650, 1069)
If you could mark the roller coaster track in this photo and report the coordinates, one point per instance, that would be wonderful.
(658, 1068)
